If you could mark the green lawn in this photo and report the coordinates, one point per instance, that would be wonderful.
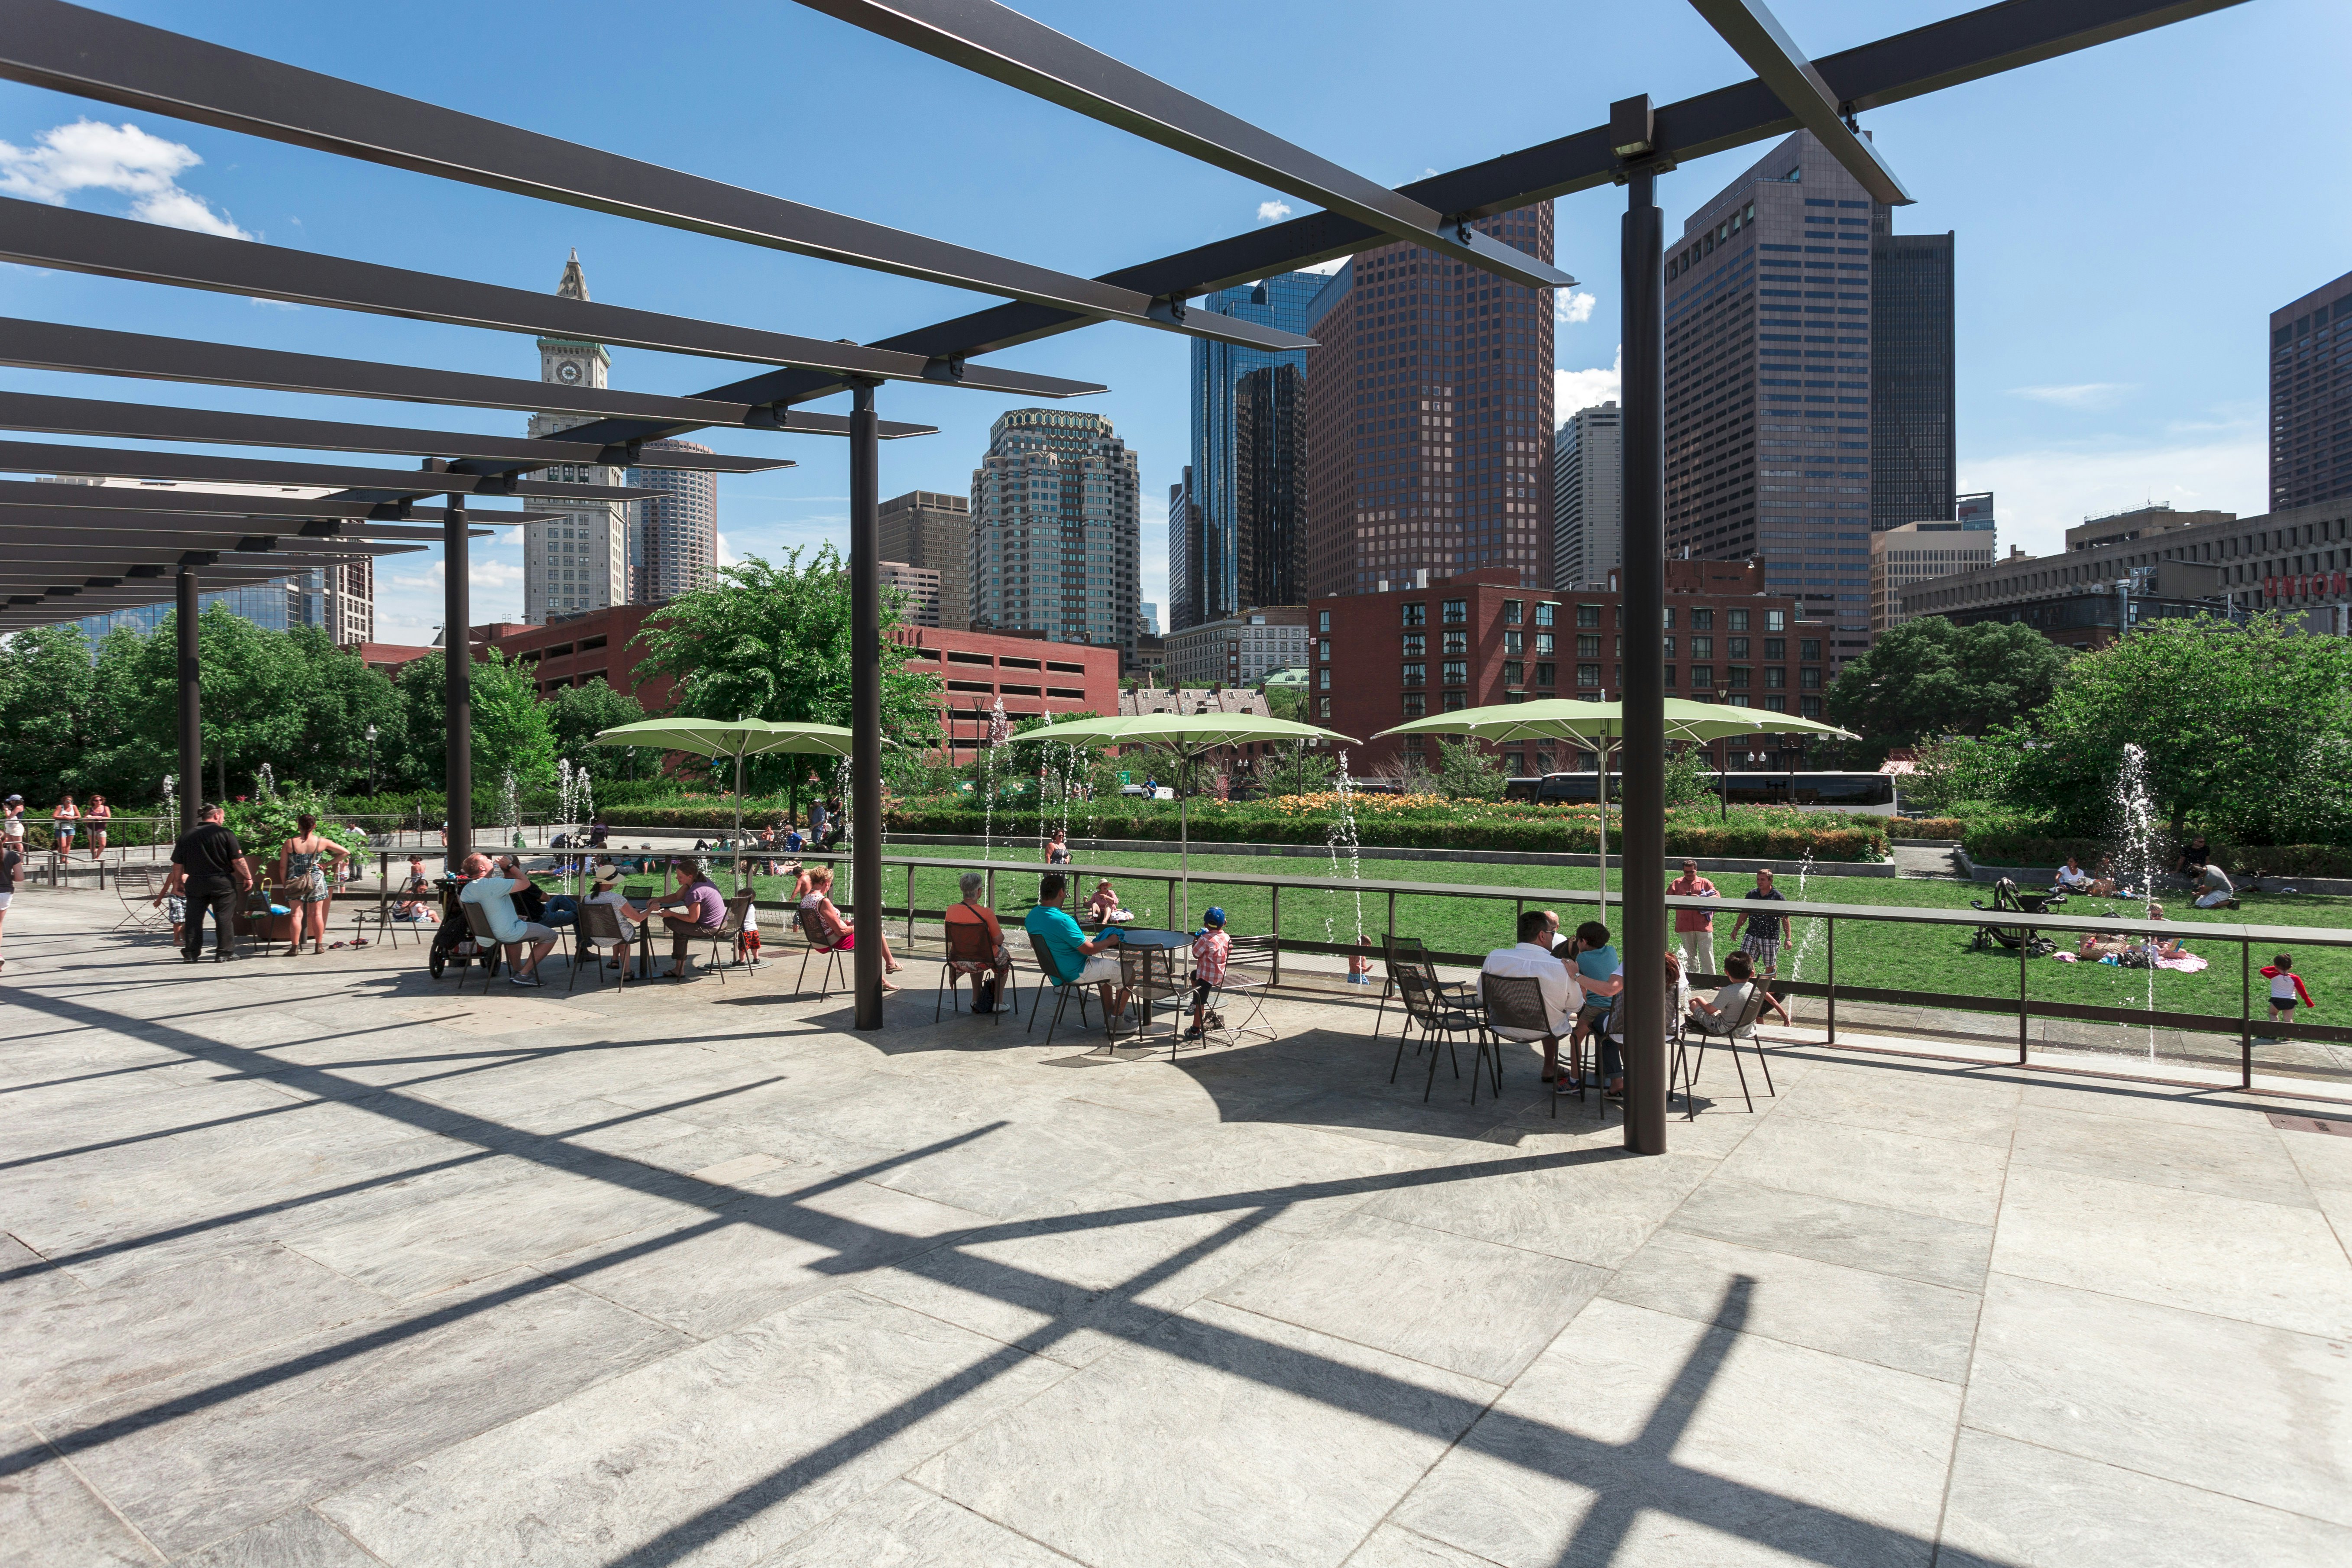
(1888, 956)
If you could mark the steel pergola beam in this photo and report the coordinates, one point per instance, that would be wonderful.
(38, 235)
(1757, 37)
(1959, 50)
(48, 458)
(79, 498)
(1000, 43)
(70, 49)
(98, 351)
(466, 451)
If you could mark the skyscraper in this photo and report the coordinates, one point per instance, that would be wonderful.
(1588, 496)
(1429, 417)
(1239, 540)
(925, 529)
(1914, 391)
(1054, 545)
(1769, 362)
(581, 561)
(2311, 397)
(674, 545)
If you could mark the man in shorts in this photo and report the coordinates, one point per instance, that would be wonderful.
(1080, 962)
(1763, 941)
(495, 893)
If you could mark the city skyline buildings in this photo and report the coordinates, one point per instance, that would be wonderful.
(1236, 540)
(2311, 397)
(1055, 533)
(1588, 494)
(930, 530)
(674, 540)
(579, 561)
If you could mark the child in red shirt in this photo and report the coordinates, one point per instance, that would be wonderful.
(2287, 986)
(1209, 951)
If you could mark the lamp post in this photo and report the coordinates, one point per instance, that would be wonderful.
(371, 741)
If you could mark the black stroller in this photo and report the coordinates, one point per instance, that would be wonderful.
(453, 941)
(2007, 899)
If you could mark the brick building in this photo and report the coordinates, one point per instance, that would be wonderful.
(1029, 674)
(1480, 639)
(578, 649)
(1238, 650)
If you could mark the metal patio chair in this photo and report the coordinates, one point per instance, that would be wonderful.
(813, 931)
(1063, 990)
(971, 953)
(1513, 1002)
(487, 950)
(1249, 972)
(1428, 1009)
(1751, 1015)
(599, 927)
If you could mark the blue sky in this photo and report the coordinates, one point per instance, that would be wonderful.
(2127, 217)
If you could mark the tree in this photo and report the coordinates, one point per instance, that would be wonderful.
(512, 731)
(1931, 676)
(1467, 771)
(2246, 730)
(1295, 770)
(576, 713)
(45, 693)
(771, 640)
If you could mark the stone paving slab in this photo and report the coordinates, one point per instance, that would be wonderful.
(315, 1262)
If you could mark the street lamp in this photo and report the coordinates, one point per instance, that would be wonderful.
(371, 741)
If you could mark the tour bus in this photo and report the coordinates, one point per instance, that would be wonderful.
(1816, 790)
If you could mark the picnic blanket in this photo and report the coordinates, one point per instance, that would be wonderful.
(2187, 963)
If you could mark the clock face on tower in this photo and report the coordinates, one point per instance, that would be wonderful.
(568, 371)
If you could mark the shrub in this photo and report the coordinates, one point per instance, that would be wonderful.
(1926, 827)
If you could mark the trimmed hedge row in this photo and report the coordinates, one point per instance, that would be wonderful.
(1926, 827)
(1991, 847)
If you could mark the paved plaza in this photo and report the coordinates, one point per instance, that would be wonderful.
(315, 1261)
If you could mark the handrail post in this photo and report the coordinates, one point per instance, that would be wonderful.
(2246, 1012)
(911, 905)
(1831, 1040)
(2021, 997)
(1273, 891)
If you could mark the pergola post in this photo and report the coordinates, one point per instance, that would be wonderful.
(457, 682)
(192, 731)
(1643, 842)
(866, 698)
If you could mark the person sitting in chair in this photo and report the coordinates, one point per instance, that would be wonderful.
(974, 910)
(495, 893)
(606, 893)
(840, 932)
(1533, 958)
(1721, 1015)
(414, 892)
(695, 910)
(1078, 961)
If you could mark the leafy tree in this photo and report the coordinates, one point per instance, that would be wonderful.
(511, 728)
(577, 713)
(1296, 770)
(1690, 777)
(1467, 771)
(2246, 729)
(1287, 702)
(771, 640)
(1930, 677)
(45, 695)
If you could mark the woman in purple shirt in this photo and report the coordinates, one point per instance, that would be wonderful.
(695, 910)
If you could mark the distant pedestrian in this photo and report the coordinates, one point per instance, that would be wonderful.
(66, 818)
(12, 820)
(2286, 988)
(1763, 942)
(95, 818)
(1694, 929)
(817, 819)
(1057, 849)
(308, 886)
(211, 866)
(11, 858)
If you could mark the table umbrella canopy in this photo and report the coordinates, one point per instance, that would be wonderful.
(1188, 735)
(736, 737)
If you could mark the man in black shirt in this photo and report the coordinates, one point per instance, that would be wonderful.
(210, 863)
(9, 862)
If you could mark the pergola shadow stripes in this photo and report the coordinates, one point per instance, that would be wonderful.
(64, 47)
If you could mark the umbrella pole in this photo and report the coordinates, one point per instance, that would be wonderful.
(1604, 833)
(738, 801)
(1184, 844)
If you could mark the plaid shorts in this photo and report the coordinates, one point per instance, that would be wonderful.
(1764, 950)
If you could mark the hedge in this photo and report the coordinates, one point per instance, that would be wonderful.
(1990, 848)
(1926, 827)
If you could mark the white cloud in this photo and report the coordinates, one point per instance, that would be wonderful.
(2039, 494)
(1574, 308)
(726, 553)
(1575, 389)
(1273, 211)
(274, 304)
(90, 154)
(2083, 395)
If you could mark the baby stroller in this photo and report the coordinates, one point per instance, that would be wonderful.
(2007, 899)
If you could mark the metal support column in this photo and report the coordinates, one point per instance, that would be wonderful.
(457, 682)
(191, 729)
(1643, 842)
(865, 697)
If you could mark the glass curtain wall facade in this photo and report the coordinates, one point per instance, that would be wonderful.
(1237, 543)
(675, 545)
(1054, 538)
(1428, 415)
(1913, 383)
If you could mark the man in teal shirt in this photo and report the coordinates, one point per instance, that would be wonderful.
(1078, 961)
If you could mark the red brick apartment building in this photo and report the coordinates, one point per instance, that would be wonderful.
(1479, 638)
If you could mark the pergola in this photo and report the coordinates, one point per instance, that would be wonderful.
(120, 554)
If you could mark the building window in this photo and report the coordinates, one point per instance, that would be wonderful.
(1670, 675)
(1543, 642)
(1323, 707)
(1702, 647)
(1322, 620)
(1325, 648)
(1416, 613)
(1458, 612)
(1809, 650)
(1740, 675)
(1457, 642)
(1545, 674)
(1738, 699)
(1702, 620)
(1670, 617)
(1588, 648)
(1515, 642)
(1516, 764)
(1514, 673)
(1588, 677)
(1416, 705)
(1588, 615)
(1417, 674)
(1810, 678)
(1543, 618)
(1454, 673)
(1543, 762)
(1775, 701)
(1416, 643)
(1738, 620)
(1670, 646)
(1513, 612)
(1702, 677)
(1774, 677)
(1454, 702)
(1736, 648)
(1775, 620)
(1322, 680)
(1776, 647)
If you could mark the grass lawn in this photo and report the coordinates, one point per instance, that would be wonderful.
(1886, 956)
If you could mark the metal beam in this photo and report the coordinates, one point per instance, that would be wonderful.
(1951, 53)
(122, 498)
(192, 731)
(96, 350)
(37, 526)
(475, 452)
(70, 50)
(39, 235)
(1002, 44)
(47, 458)
(1757, 37)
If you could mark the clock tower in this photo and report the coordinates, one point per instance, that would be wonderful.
(580, 562)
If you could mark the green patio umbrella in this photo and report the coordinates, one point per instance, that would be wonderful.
(736, 737)
(1188, 736)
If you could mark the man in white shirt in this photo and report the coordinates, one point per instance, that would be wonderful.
(1532, 959)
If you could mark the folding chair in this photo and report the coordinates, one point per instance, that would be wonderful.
(1513, 1002)
(970, 952)
(1062, 991)
(1402, 951)
(725, 933)
(1148, 975)
(599, 927)
(254, 909)
(1249, 971)
(137, 887)
(1751, 1013)
(814, 933)
(1428, 1009)
(487, 946)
